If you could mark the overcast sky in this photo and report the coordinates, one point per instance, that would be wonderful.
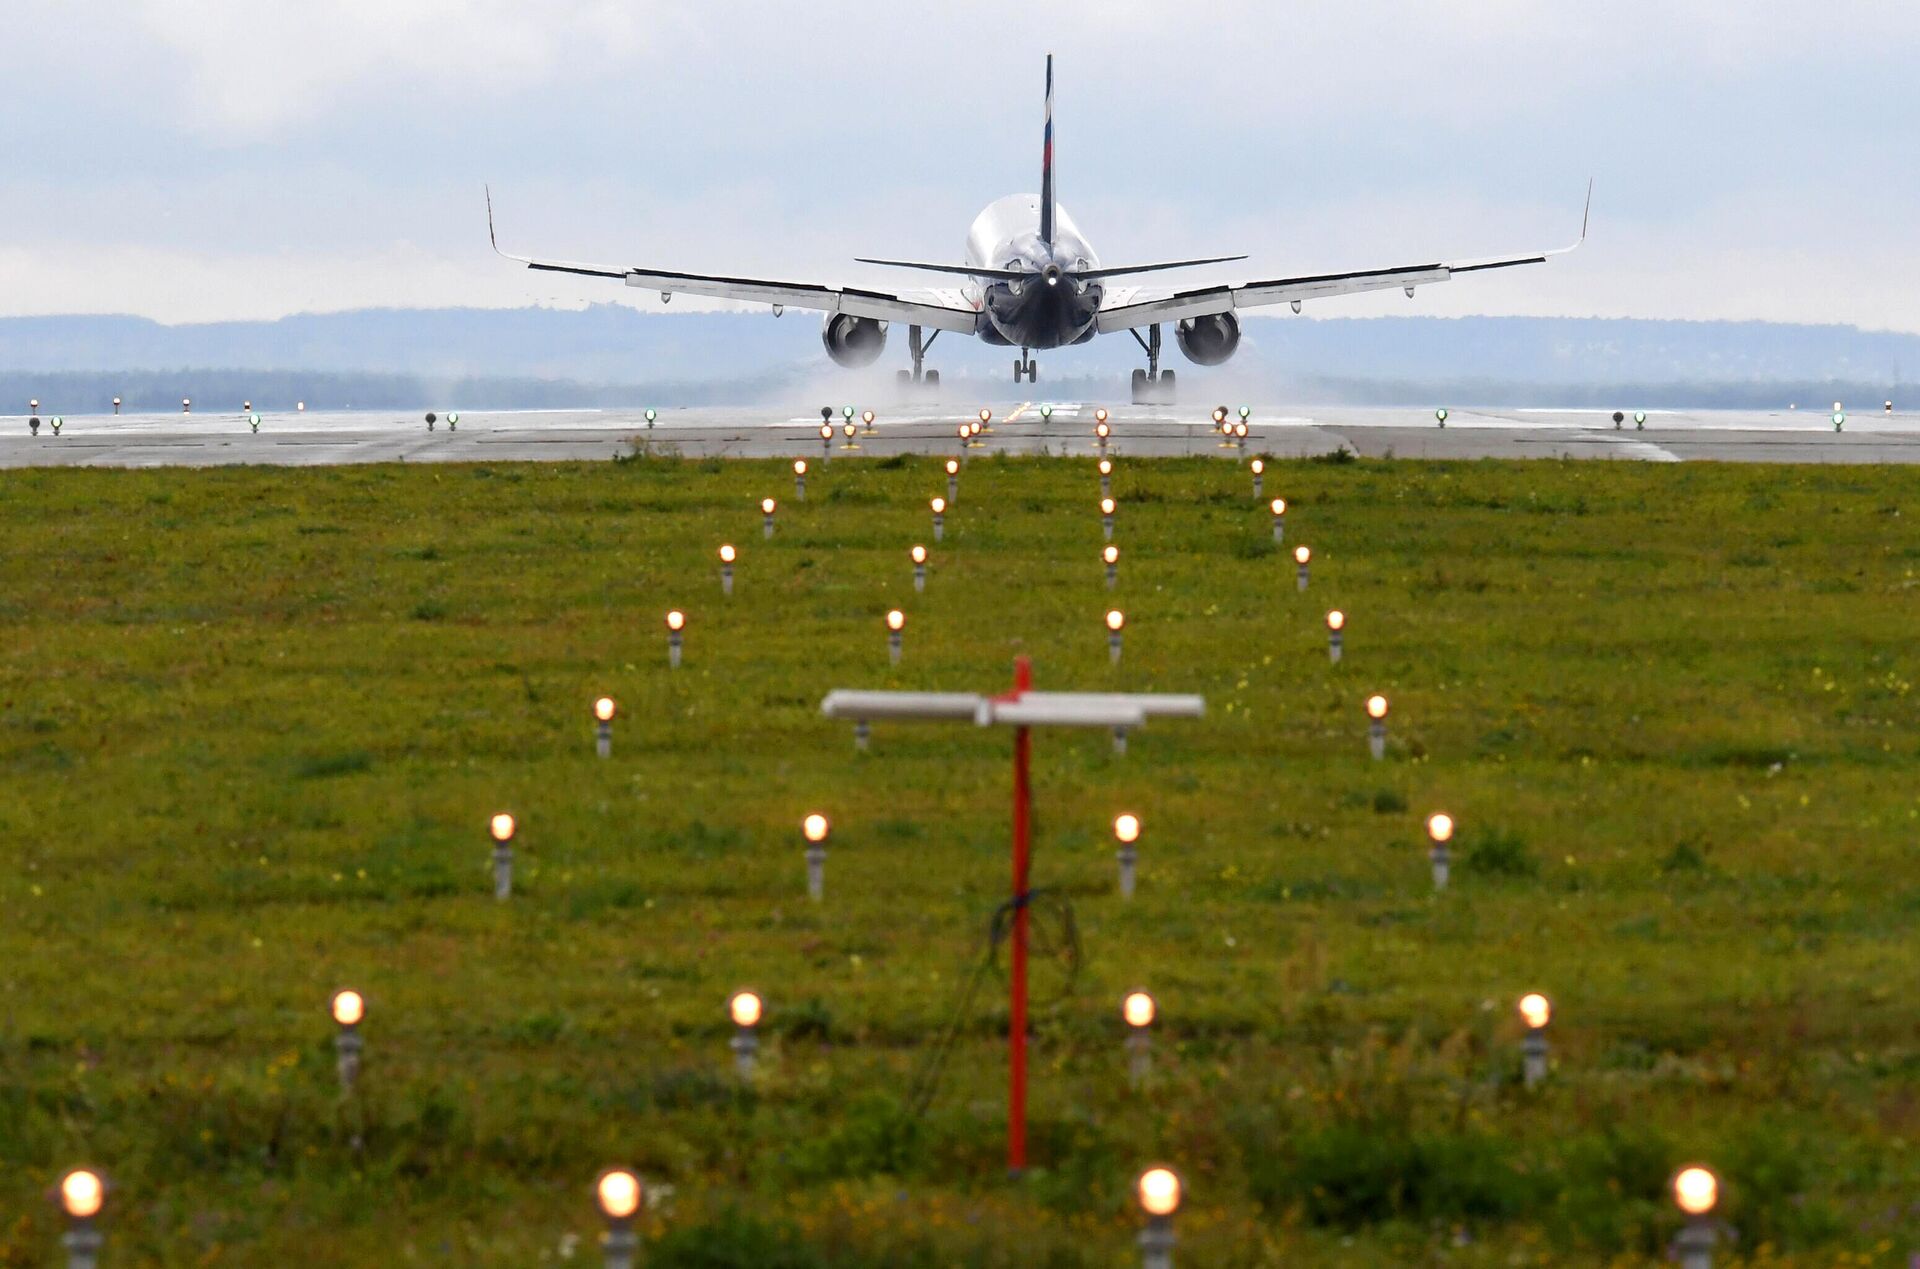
(202, 159)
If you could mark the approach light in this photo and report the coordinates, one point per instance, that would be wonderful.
(502, 827)
(986, 416)
(939, 506)
(1245, 410)
(799, 466)
(1376, 706)
(1278, 506)
(1115, 620)
(896, 620)
(745, 1008)
(953, 467)
(826, 431)
(1138, 1009)
(1535, 1010)
(1696, 1190)
(604, 709)
(1101, 430)
(1336, 620)
(973, 429)
(1219, 415)
(1107, 506)
(1110, 555)
(676, 620)
(1158, 1190)
(1258, 467)
(348, 1008)
(767, 505)
(1440, 827)
(866, 416)
(1106, 467)
(815, 828)
(1100, 415)
(1301, 555)
(1126, 828)
(919, 554)
(618, 1193)
(82, 1193)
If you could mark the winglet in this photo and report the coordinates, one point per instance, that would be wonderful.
(490, 238)
(1586, 211)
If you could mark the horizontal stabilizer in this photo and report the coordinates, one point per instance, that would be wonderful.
(1125, 269)
(969, 270)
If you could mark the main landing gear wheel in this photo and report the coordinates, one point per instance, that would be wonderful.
(1026, 368)
(1153, 390)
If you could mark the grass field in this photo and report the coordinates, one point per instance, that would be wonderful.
(255, 721)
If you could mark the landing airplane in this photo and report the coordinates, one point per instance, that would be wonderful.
(1031, 281)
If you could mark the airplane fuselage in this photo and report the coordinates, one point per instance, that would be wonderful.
(1050, 310)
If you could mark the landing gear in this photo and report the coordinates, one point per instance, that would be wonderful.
(919, 375)
(1152, 386)
(1026, 367)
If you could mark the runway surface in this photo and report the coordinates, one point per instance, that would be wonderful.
(373, 436)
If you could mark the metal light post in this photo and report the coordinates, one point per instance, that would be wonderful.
(619, 1194)
(1110, 556)
(1439, 833)
(603, 712)
(1100, 434)
(745, 1008)
(1106, 478)
(953, 480)
(676, 626)
(1159, 1193)
(767, 508)
(896, 634)
(502, 828)
(1377, 726)
(349, 1009)
(1259, 468)
(919, 556)
(83, 1193)
(1023, 709)
(1279, 508)
(727, 556)
(1107, 507)
(1116, 621)
(1301, 557)
(800, 479)
(826, 442)
(1336, 628)
(1535, 1011)
(816, 828)
(1696, 1191)
(1138, 1010)
(939, 506)
(1126, 831)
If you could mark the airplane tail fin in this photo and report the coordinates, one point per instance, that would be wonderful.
(1046, 165)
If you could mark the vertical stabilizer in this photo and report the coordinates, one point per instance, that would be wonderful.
(1046, 165)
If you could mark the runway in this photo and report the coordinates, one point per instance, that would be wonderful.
(373, 436)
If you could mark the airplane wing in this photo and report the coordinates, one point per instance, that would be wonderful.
(1125, 308)
(941, 310)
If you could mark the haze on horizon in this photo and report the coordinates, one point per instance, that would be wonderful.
(201, 160)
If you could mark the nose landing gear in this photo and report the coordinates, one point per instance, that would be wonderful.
(1152, 386)
(1026, 366)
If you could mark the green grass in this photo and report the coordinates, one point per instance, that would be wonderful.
(252, 724)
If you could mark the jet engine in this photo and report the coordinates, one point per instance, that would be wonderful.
(1209, 340)
(853, 342)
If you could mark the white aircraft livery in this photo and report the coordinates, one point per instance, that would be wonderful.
(1032, 281)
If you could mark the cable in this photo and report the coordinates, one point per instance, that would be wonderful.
(1052, 934)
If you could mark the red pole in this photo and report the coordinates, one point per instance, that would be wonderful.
(1022, 857)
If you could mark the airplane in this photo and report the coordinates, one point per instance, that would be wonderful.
(1031, 281)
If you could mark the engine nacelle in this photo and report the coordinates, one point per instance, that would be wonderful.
(1209, 340)
(853, 342)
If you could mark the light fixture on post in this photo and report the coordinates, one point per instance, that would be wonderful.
(1159, 1193)
(826, 442)
(953, 480)
(676, 630)
(1440, 416)
(1336, 628)
(1110, 556)
(800, 479)
(1439, 833)
(1126, 831)
(501, 828)
(1302, 556)
(1139, 1010)
(816, 828)
(603, 712)
(83, 1192)
(1116, 622)
(1259, 469)
(1377, 726)
(1107, 507)
(939, 506)
(349, 1009)
(919, 556)
(1106, 478)
(619, 1193)
(896, 634)
(767, 507)
(1279, 509)
(1696, 1192)
(745, 1008)
(1535, 1011)
(727, 556)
